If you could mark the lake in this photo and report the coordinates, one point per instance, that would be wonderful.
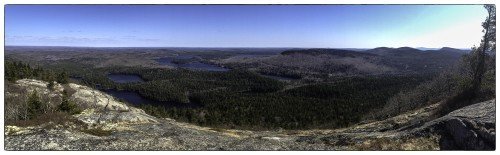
(136, 99)
(194, 65)
(125, 78)
(169, 60)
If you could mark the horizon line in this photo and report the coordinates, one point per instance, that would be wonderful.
(232, 47)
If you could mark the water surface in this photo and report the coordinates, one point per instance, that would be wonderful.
(136, 99)
(193, 65)
(125, 78)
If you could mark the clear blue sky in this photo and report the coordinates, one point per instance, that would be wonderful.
(333, 26)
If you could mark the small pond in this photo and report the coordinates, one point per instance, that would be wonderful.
(136, 99)
(125, 78)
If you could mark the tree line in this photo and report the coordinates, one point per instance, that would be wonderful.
(30, 105)
(15, 70)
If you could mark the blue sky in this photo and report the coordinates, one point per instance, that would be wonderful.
(325, 26)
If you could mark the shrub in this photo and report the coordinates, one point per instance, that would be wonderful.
(51, 85)
(54, 117)
(68, 106)
(34, 105)
(63, 78)
(97, 132)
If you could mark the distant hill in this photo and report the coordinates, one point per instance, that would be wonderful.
(402, 51)
(403, 59)
(319, 51)
(448, 49)
(411, 59)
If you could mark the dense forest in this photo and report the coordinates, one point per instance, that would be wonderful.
(244, 99)
(15, 70)
(327, 105)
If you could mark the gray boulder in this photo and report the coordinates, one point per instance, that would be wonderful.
(468, 128)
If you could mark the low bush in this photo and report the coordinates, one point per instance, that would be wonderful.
(97, 132)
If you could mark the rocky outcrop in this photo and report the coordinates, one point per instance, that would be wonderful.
(107, 124)
(103, 108)
(96, 99)
(99, 107)
(468, 128)
(40, 86)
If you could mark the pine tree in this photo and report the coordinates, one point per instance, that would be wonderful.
(34, 105)
(67, 105)
(63, 78)
(488, 43)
